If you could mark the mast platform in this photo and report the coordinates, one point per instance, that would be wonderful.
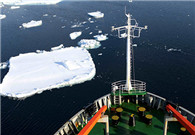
(120, 88)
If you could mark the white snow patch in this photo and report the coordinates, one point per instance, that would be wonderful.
(96, 14)
(33, 73)
(89, 43)
(74, 35)
(32, 24)
(2, 16)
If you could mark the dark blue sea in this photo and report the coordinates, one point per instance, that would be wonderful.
(169, 74)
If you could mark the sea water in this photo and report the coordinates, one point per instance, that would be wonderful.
(169, 74)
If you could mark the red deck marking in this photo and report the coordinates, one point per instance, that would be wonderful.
(93, 121)
(189, 126)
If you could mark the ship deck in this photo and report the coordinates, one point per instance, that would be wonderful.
(141, 128)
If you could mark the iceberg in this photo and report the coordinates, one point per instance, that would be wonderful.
(2, 16)
(14, 7)
(100, 37)
(74, 35)
(89, 43)
(32, 24)
(33, 73)
(30, 2)
(57, 47)
(96, 14)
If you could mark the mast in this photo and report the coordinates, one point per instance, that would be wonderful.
(130, 29)
(128, 59)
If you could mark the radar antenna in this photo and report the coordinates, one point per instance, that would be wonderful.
(131, 30)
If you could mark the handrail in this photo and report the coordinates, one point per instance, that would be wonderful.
(181, 119)
(137, 85)
(93, 121)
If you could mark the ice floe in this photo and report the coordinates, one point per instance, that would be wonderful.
(100, 54)
(99, 31)
(89, 43)
(33, 73)
(135, 45)
(173, 50)
(2, 16)
(74, 35)
(101, 37)
(96, 14)
(14, 7)
(3, 65)
(45, 15)
(32, 24)
(40, 51)
(57, 47)
(124, 35)
(30, 2)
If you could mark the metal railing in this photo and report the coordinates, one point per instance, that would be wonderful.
(137, 86)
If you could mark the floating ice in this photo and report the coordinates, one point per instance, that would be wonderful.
(2, 16)
(57, 47)
(96, 14)
(89, 43)
(54, 15)
(3, 65)
(135, 45)
(45, 15)
(99, 31)
(74, 35)
(33, 73)
(124, 35)
(63, 27)
(90, 33)
(1, 5)
(40, 51)
(15, 7)
(100, 37)
(100, 54)
(173, 50)
(30, 2)
(32, 24)
(77, 25)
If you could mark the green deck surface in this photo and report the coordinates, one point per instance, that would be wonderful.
(141, 128)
